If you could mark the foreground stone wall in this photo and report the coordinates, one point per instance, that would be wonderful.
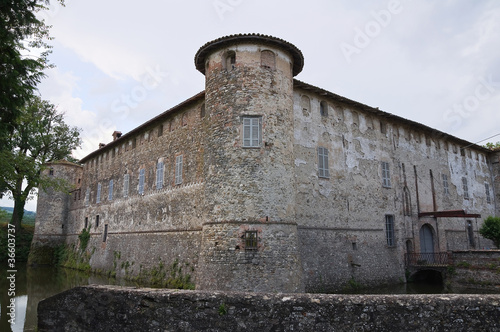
(111, 308)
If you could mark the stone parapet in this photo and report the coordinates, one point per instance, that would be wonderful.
(112, 308)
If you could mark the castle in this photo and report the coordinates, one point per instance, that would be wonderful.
(266, 183)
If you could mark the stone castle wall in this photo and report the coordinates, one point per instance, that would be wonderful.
(314, 231)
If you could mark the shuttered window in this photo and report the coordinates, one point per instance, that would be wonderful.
(386, 175)
(252, 128)
(159, 174)
(323, 170)
(178, 169)
(142, 174)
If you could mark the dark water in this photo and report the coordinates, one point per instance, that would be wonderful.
(35, 284)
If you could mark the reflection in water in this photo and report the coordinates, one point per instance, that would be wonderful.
(34, 284)
(38, 283)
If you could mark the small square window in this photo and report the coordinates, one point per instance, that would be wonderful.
(251, 240)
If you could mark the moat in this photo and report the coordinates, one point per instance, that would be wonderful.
(35, 284)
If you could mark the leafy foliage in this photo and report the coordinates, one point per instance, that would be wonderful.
(41, 136)
(21, 32)
(491, 230)
(23, 242)
(492, 146)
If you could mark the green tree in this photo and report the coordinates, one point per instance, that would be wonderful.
(492, 146)
(491, 230)
(41, 136)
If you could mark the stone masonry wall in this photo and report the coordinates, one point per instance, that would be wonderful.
(478, 269)
(342, 217)
(111, 308)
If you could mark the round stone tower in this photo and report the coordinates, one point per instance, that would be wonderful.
(250, 240)
(52, 209)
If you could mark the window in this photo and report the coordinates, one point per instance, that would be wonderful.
(407, 201)
(160, 130)
(389, 230)
(252, 127)
(323, 108)
(178, 169)
(470, 234)
(86, 222)
(142, 174)
(323, 171)
(105, 234)
(98, 197)
(487, 189)
(386, 175)
(96, 221)
(445, 184)
(268, 60)
(202, 111)
(305, 104)
(125, 185)
(229, 62)
(87, 197)
(51, 171)
(110, 190)
(465, 187)
(251, 240)
(159, 175)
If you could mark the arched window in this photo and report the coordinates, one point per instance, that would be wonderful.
(323, 108)
(229, 60)
(268, 59)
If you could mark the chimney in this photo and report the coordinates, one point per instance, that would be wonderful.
(116, 135)
(101, 145)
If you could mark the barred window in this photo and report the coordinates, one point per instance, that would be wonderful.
(323, 170)
(487, 189)
(445, 184)
(386, 175)
(178, 169)
(159, 174)
(389, 230)
(252, 132)
(142, 174)
(251, 240)
(465, 187)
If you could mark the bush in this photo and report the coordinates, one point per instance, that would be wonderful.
(491, 230)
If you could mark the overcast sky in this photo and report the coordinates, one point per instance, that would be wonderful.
(120, 63)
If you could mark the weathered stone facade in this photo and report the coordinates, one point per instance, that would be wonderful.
(265, 183)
